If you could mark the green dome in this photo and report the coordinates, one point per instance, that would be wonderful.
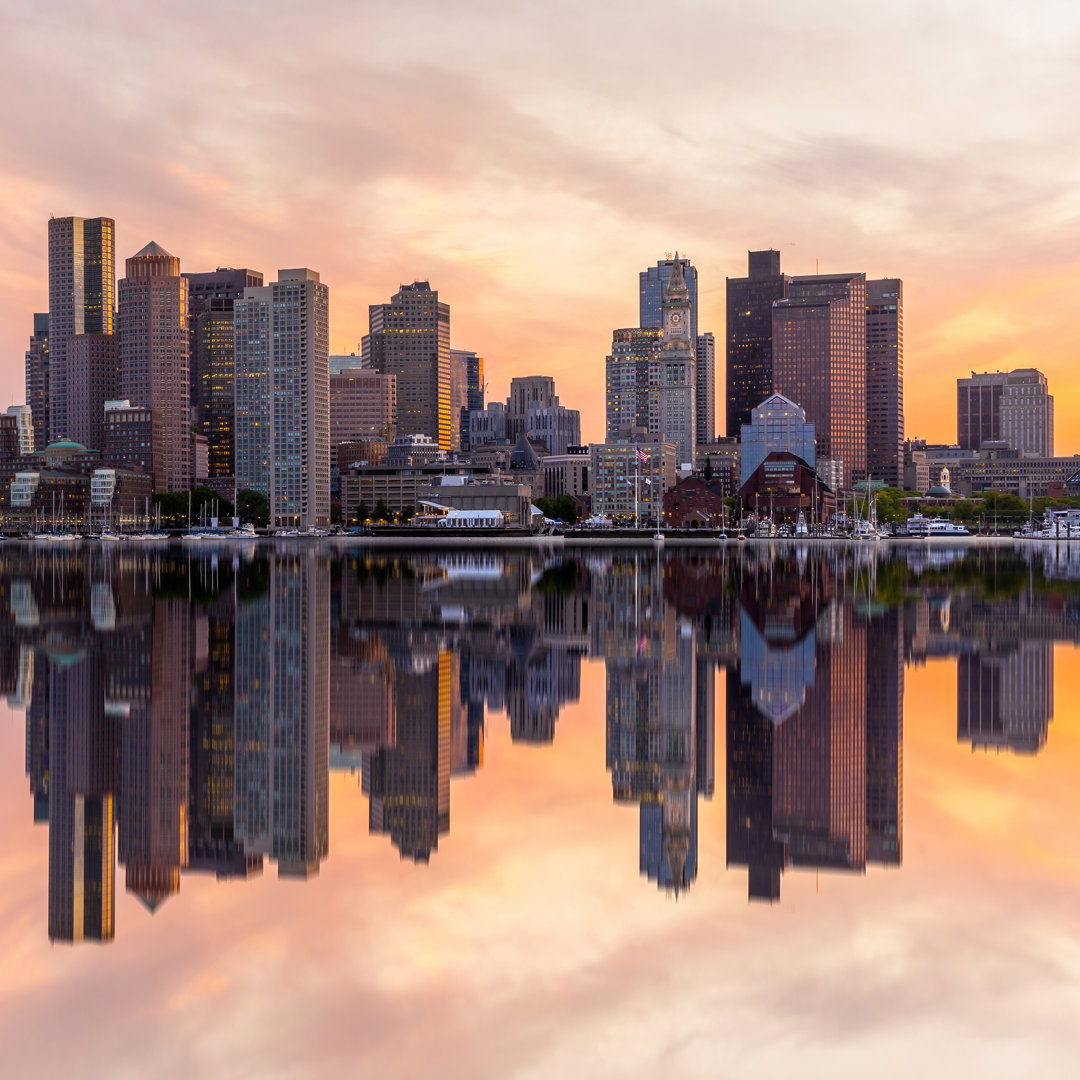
(64, 444)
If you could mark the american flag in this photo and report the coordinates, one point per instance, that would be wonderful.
(642, 456)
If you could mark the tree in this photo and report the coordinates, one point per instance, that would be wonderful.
(964, 510)
(253, 507)
(363, 512)
(889, 506)
(406, 514)
(382, 512)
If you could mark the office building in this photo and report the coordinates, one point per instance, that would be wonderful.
(777, 424)
(978, 409)
(528, 393)
(82, 277)
(749, 358)
(363, 405)
(819, 362)
(211, 299)
(37, 379)
(627, 489)
(283, 397)
(629, 400)
(885, 380)
(410, 339)
(473, 367)
(155, 354)
(340, 362)
(92, 369)
(705, 389)
(1027, 413)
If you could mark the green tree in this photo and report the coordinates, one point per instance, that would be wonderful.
(889, 506)
(363, 512)
(965, 510)
(382, 512)
(406, 515)
(253, 507)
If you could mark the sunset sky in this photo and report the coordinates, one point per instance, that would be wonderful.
(530, 158)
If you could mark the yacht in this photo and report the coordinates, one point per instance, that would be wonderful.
(918, 525)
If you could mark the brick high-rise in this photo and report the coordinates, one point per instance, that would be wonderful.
(155, 356)
(819, 362)
(82, 275)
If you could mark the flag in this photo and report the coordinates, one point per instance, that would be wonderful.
(642, 456)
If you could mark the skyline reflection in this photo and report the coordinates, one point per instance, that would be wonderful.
(183, 713)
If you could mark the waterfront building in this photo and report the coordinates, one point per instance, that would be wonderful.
(283, 397)
(885, 380)
(567, 474)
(469, 493)
(155, 354)
(749, 356)
(409, 338)
(398, 488)
(776, 424)
(626, 488)
(132, 439)
(37, 379)
(82, 284)
(819, 362)
(363, 405)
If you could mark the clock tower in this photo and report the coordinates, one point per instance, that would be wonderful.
(676, 311)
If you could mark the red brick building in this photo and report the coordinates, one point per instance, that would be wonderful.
(694, 504)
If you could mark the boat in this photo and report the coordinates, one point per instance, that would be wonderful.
(917, 525)
(800, 526)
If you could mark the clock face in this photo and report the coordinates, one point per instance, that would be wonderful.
(676, 318)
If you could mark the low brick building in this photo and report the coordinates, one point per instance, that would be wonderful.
(782, 486)
(693, 504)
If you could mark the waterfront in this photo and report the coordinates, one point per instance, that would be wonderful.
(540, 813)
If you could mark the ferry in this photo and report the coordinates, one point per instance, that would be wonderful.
(918, 525)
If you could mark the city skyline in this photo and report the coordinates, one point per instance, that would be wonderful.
(494, 187)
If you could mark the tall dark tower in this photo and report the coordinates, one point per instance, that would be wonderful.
(749, 336)
(885, 380)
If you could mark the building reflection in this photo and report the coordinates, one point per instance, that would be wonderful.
(183, 713)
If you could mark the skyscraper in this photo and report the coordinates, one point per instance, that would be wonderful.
(705, 389)
(155, 353)
(628, 398)
(37, 379)
(82, 276)
(283, 397)
(410, 338)
(750, 336)
(211, 298)
(674, 377)
(885, 380)
(653, 287)
(819, 362)
(474, 388)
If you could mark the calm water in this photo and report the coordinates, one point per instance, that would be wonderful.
(306, 812)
